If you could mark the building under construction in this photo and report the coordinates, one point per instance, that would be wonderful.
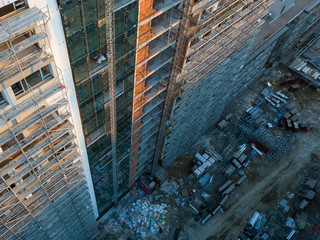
(96, 93)
(147, 70)
(44, 194)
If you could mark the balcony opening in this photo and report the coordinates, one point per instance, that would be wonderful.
(3, 101)
(13, 7)
(24, 85)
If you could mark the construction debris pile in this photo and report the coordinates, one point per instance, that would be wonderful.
(143, 216)
(266, 129)
(268, 121)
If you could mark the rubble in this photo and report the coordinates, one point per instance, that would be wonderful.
(143, 216)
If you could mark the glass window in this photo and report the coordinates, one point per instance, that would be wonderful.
(101, 11)
(120, 71)
(97, 83)
(90, 11)
(72, 20)
(84, 92)
(87, 110)
(101, 120)
(32, 80)
(17, 88)
(128, 83)
(120, 47)
(89, 126)
(93, 40)
(131, 42)
(80, 70)
(2, 100)
(119, 23)
(119, 88)
(99, 101)
(46, 72)
(102, 35)
(76, 49)
(67, 4)
(132, 16)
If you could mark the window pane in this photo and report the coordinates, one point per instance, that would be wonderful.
(84, 92)
(87, 110)
(2, 100)
(97, 85)
(33, 79)
(80, 70)
(132, 16)
(89, 126)
(100, 118)
(99, 101)
(93, 40)
(119, 71)
(131, 42)
(46, 72)
(90, 11)
(119, 23)
(120, 47)
(102, 35)
(76, 49)
(101, 10)
(17, 89)
(72, 21)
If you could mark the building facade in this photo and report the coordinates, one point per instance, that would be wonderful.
(144, 43)
(146, 35)
(44, 192)
(178, 63)
(85, 31)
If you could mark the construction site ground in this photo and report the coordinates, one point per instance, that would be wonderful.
(267, 181)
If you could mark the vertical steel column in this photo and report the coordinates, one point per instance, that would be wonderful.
(110, 37)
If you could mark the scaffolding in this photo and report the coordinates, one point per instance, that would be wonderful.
(206, 38)
(42, 184)
(219, 35)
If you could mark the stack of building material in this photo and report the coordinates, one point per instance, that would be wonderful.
(241, 180)
(203, 162)
(225, 121)
(230, 170)
(225, 185)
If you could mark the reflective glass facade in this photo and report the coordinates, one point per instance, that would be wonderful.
(85, 32)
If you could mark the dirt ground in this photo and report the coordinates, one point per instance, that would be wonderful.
(268, 182)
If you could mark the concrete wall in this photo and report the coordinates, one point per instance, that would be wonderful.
(201, 105)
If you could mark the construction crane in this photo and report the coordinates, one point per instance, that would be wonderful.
(110, 37)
